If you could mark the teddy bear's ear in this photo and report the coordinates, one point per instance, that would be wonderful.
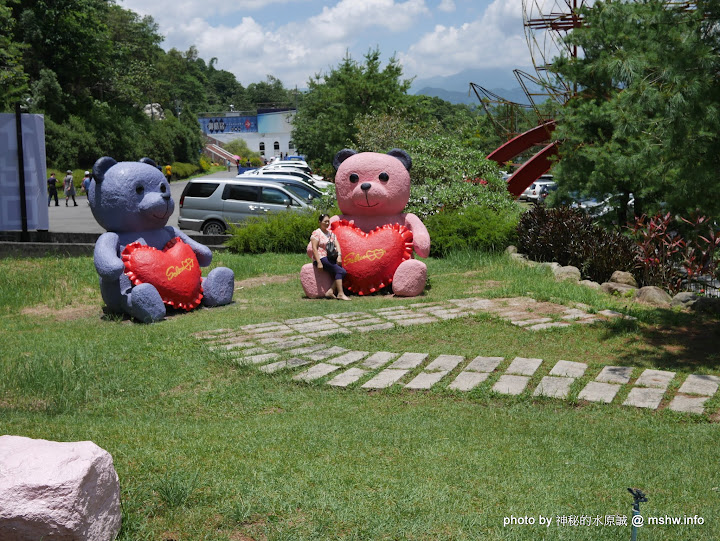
(101, 166)
(343, 155)
(403, 156)
(148, 161)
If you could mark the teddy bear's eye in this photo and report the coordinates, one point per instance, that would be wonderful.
(139, 189)
(384, 176)
(354, 178)
(163, 188)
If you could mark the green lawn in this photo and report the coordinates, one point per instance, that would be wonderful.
(208, 449)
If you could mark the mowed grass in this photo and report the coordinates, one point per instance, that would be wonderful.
(209, 449)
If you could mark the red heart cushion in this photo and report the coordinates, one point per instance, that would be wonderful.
(371, 259)
(174, 271)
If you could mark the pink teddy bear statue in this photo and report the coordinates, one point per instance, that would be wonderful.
(377, 239)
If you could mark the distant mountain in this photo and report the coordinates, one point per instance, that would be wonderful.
(456, 88)
(516, 95)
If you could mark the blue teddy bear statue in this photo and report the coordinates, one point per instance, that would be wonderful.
(140, 259)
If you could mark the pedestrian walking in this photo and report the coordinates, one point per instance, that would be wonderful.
(168, 172)
(86, 185)
(69, 188)
(52, 189)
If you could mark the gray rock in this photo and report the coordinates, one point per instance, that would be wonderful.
(590, 284)
(54, 490)
(707, 304)
(552, 266)
(684, 299)
(614, 288)
(622, 277)
(653, 295)
(511, 249)
(567, 273)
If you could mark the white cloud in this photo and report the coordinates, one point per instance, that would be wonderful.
(447, 6)
(494, 40)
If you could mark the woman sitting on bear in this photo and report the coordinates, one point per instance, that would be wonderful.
(329, 262)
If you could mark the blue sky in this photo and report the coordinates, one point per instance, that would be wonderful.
(295, 39)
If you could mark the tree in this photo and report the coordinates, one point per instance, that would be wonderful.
(13, 79)
(325, 120)
(646, 119)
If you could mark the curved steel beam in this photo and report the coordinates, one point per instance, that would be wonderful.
(532, 169)
(522, 142)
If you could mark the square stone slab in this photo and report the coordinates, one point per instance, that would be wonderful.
(255, 326)
(325, 353)
(615, 374)
(290, 363)
(484, 364)
(599, 392)
(568, 369)
(449, 314)
(305, 320)
(700, 384)
(543, 326)
(257, 359)
(348, 358)
(644, 397)
(511, 384)
(316, 372)
(554, 387)
(308, 349)
(415, 321)
(425, 380)
(529, 322)
(341, 330)
(688, 404)
(523, 366)
(384, 379)
(376, 360)
(409, 360)
(347, 377)
(378, 327)
(293, 343)
(467, 381)
(655, 378)
(445, 362)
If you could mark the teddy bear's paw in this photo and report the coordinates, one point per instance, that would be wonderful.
(218, 287)
(146, 305)
(315, 282)
(410, 278)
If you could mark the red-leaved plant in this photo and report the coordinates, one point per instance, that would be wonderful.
(669, 261)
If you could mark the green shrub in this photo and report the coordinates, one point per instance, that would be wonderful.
(184, 170)
(204, 163)
(569, 237)
(474, 227)
(285, 232)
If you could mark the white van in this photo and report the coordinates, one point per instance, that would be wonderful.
(210, 205)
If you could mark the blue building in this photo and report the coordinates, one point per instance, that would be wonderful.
(267, 133)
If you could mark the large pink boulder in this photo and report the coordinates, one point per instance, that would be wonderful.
(57, 491)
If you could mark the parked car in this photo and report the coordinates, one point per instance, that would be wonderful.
(600, 207)
(528, 195)
(210, 205)
(294, 184)
(539, 189)
(291, 173)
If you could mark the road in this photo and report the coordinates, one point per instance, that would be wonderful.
(79, 219)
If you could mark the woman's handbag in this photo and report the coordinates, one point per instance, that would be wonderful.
(331, 249)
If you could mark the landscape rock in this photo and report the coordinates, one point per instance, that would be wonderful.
(567, 273)
(618, 288)
(653, 295)
(590, 284)
(59, 491)
(709, 305)
(511, 249)
(552, 265)
(622, 277)
(685, 299)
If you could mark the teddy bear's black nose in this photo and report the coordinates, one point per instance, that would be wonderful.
(165, 195)
(365, 186)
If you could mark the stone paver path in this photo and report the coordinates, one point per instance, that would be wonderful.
(276, 346)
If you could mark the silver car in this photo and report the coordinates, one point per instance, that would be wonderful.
(210, 205)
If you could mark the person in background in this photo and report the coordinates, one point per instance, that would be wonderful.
(86, 185)
(329, 262)
(69, 188)
(52, 189)
(168, 172)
